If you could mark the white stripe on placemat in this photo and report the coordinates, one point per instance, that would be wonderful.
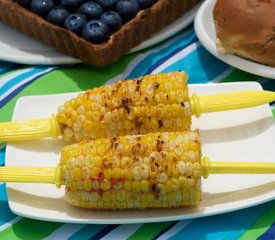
(65, 231)
(123, 231)
(175, 229)
(9, 76)
(6, 225)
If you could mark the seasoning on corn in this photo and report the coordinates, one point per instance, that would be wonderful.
(141, 171)
(147, 104)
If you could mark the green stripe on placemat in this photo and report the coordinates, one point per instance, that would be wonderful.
(261, 225)
(29, 229)
(240, 76)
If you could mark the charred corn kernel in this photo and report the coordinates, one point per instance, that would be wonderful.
(157, 102)
(132, 175)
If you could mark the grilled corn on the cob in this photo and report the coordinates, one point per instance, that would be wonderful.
(147, 104)
(142, 171)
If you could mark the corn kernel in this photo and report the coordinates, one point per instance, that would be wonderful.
(76, 174)
(116, 173)
(144, 186)
(95, 172)
(87, 185)
(105, 185)
(136, 186)
(106, 196)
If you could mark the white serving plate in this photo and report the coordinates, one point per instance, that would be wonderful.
(20, 48)
(205, 31)
(237, 135)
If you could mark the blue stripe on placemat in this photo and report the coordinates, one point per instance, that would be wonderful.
(269, 234)
(6, 215)
(6, 66)
(187, 42)
(2, 154)
(87, 232)
(104, 231)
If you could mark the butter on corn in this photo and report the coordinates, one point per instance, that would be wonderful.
(134, 172)
(151, 103)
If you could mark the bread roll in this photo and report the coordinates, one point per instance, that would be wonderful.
(246, 28)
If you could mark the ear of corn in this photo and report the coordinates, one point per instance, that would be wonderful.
(134, 172)
(151, 103)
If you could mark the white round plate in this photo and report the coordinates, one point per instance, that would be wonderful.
(205, 30)
(20, 48)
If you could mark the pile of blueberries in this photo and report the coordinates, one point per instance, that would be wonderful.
(94, 20)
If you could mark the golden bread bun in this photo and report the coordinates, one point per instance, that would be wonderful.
(246, 28)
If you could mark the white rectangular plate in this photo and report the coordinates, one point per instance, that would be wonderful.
(239, 135)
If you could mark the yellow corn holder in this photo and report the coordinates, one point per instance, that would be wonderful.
(151, 103)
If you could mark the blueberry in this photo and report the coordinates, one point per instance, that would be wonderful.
(24, 3)
(58, 15)
(145, 3)
(92, 10)
(112, 19)
(127, 9)
(107, 4)
(75, 22)
(95, 31)
(71, 5)
(42, 7)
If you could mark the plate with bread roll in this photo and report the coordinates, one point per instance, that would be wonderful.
(139, 161)
(240, 33)
(92, 32)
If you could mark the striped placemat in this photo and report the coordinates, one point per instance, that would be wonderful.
(181, 52)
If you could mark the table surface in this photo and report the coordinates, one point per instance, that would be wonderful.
(181, 52)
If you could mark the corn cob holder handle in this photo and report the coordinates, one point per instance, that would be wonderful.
(130, 107)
